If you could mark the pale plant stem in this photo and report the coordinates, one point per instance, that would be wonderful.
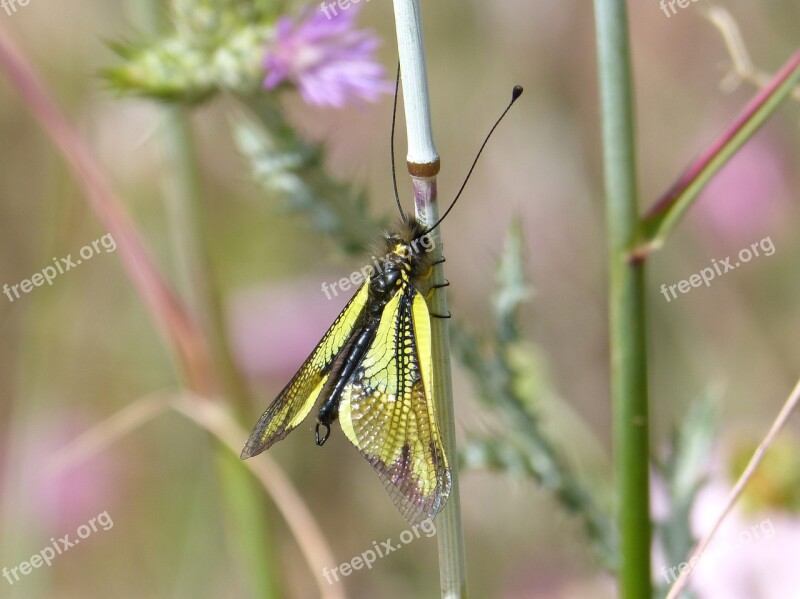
(103, 435)
(789, 406)
(191, 230)
(219, 421)
(248, 523)
(423, 166)
(216, 418)
(743, 67)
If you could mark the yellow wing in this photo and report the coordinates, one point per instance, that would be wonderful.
(294, 403)
(387, 409)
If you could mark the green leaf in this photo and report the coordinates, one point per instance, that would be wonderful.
(512, 288)
(284, 165)
(684, 473)
(509, 375)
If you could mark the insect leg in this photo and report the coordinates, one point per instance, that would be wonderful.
(348, 360)
(429, 294)
(321, 441)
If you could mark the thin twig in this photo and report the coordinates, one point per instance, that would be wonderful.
(783, 417)
(103, 435)
(743, 67)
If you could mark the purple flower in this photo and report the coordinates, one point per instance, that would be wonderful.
(327, 59)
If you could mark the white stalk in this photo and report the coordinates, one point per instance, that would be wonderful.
(423, 166)
(411, 48)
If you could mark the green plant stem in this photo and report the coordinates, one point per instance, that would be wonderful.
(248, 521)
(627, 301)
(247, 517)
(190, 229)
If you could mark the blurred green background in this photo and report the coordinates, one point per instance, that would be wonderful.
(76, 352)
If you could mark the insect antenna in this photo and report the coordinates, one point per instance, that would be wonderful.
(394, 123)
(515, 94)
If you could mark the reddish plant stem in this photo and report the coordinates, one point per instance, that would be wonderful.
(170, 315)
(702, 162)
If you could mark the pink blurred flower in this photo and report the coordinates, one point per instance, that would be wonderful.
(754, 553)
(751, 555)
(748, 197)
(62, 498)
(329, 61)
(275, 328)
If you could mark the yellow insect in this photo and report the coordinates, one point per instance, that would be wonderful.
(372, 371)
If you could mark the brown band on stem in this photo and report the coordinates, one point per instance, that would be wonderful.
(428, 169)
